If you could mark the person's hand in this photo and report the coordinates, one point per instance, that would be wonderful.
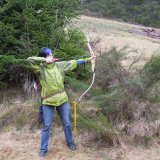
(49, 59)
(93, 58)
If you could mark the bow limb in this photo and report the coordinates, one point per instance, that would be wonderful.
(93, 67)
(88, 87)
(92, 60)
(92, 54)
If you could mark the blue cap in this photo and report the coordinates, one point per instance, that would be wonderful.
(43, 52)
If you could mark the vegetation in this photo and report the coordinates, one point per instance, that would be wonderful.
(144, 12)
(129, 99)
(27, 26)
(126, 100)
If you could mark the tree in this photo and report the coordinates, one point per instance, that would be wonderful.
(27, 25)
(144, 12)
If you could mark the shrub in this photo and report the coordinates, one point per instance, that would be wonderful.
(129, 97)
(150, 73)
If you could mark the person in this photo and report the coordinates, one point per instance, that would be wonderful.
(53, 95)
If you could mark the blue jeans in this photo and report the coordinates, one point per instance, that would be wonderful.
(63, 112)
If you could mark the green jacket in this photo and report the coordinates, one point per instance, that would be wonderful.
(52, 78)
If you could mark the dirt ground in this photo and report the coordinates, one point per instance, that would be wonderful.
(24, 145)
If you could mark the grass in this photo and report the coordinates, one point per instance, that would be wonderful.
(17, 110)
(114, 33)
(15, 142)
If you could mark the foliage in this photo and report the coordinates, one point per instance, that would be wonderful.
(12, 70)
(18, 116)
(144, 12)
(127, 100)
(117, 80)
(150, 72)
(101, 125)
(72, 45)
(130, 97)
(109, 70)
(28, 25)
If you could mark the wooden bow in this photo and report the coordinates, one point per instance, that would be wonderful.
(92, 60)
(93, 67)
(92, 53)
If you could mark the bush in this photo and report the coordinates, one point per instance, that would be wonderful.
(129, 97)
(150, 73)
(27, 26)
(12, 70)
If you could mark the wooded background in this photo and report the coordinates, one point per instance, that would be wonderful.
(146, 12)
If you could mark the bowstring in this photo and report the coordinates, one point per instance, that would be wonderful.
(93, 79)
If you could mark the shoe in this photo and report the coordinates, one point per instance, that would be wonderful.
(41, 154)
(72, 147)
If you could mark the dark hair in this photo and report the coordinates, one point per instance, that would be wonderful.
(43, 52)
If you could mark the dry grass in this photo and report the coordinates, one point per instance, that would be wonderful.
(24, 145)
(113, 33)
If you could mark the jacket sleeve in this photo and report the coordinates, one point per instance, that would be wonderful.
(36, 60)
(35, 63)
(82, 61)
(70, 65)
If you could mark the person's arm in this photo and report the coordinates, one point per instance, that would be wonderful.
(35, 62)
(82, 61)
(70, 65)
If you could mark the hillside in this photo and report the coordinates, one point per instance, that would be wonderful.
(20, 135)
(144, 12)
(106, 33)
(113, 33)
